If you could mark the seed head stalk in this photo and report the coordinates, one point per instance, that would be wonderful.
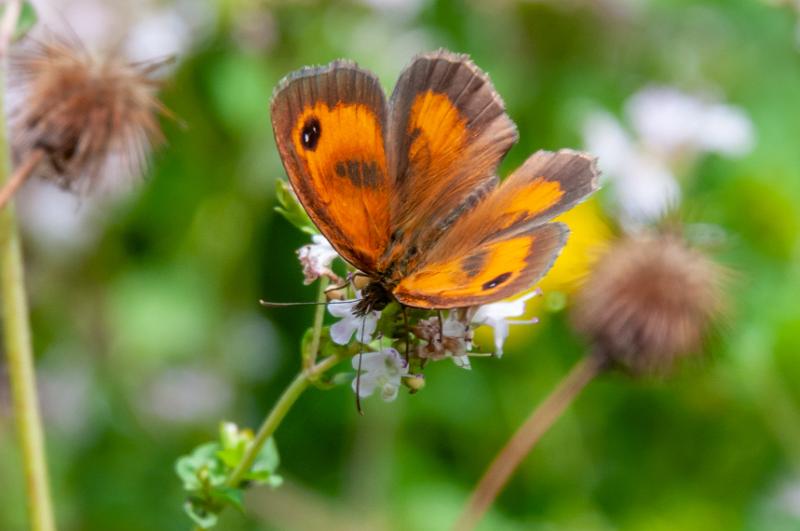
(20, 176)
(526, 437)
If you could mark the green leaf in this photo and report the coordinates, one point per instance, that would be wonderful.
(200, 515)
(263, 470)
(230, 496)
(200, 467)
(27, 19)
(268, 458)
(266, 462)
(274, 481)
(187, 471)
(230, 457)
(291, 209)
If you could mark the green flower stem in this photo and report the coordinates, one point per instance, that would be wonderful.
(19, 353)
(276, 415)
(310, 356)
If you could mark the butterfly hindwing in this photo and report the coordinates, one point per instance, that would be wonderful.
(448, 131)
(491, 271)
(330, 128)
(503, 245)
(546, 185)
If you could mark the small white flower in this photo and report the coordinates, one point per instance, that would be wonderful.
(497, 316)
(457, 340)
(316, 259)
(342, 331)
(462, 362)
(448, 338)
(382, 370)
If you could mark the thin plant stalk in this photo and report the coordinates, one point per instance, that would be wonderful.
(526, 437)
(19, 351)
(20, 176)
(274, 418)
(310, 357)
(276, 415)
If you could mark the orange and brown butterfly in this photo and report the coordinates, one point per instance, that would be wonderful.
(407, 190)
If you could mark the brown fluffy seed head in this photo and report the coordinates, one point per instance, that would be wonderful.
(649, 301)
(86, 114)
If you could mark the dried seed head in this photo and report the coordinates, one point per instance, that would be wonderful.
(649, 301)
(82, 113)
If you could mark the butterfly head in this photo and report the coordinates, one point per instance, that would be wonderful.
(374, 297)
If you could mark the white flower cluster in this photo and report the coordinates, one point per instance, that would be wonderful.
(316, 259)
(439, 338)
(670, 129)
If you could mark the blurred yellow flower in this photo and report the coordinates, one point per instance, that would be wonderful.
(589, 235)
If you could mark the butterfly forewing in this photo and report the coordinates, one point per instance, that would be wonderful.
(448, 131)
(330, 128)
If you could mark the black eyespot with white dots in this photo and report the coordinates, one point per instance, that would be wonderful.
(309, 136)
(499, 279)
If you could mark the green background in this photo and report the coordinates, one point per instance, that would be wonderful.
(168, 291)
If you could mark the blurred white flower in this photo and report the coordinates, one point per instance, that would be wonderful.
(144, 29)
(669, 122)
(382, 370)
(59, 223)
(671, 128)
(409, 7)
(643, 185)
(316, 259)
(350, 323)
(163, 33)
(66, 389)
(186, 395)
(789, 498)
(496, 315)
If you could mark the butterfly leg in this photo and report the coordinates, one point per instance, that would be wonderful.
(407, 330)
(358, 371)
(336, 287)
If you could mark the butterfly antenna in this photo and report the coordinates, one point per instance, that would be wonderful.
(358, 373)
(271, 304)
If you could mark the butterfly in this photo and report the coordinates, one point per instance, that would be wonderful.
(406, 190)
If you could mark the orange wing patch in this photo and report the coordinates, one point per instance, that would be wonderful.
(431, 115)
(342, 151)
(490, 272)
(527, 200)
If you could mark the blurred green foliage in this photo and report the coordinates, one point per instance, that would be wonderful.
(151, 334)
